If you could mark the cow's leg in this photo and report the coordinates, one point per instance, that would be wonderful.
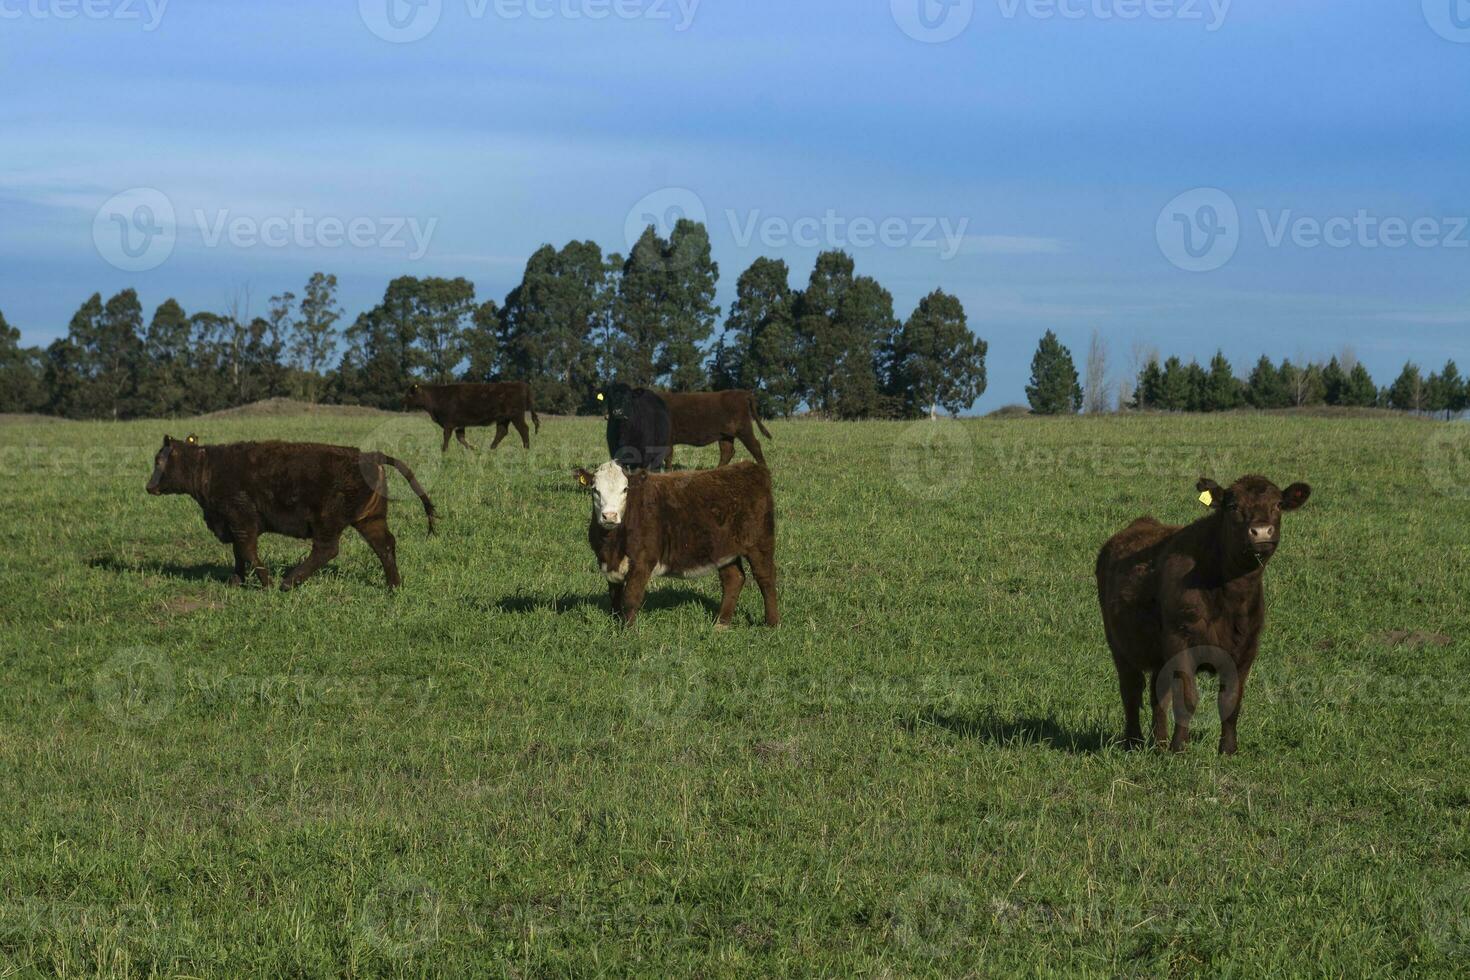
(763, 565)
(323, 550)
(1130, 686)
(634, 587)
(727, 450)
(501, 428)
(247, 543)
(753, 446)
(732, 580)
(459, 434)
(1160, 691)
(520, 424)
(241, 564)
(1230, 709)
(1186, 699)
(615, 596)
(448, 431)
(375, 532)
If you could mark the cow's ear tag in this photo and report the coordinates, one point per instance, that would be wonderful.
(193, 440)
(582, 479)
(1207, 498)
(600, 398)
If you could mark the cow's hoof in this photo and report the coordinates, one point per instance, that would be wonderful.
(722, 627)
(235, 581)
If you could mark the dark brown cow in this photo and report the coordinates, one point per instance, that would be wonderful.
(300, 489)
(457, 407)
(703, 417)
(1176, 600)
(685, 525)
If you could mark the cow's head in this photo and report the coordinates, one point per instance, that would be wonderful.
(416, 397)
(175, 465)
(1250, 512)
(617, 400)
(609, 486)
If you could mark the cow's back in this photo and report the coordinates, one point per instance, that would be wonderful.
(711, 514)
(292, 486)
(465, 404)
(702, 417)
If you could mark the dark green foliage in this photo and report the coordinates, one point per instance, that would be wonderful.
(936, 360)
(665, 310)
(22, 373)
(550, 323)
(759, 349)
(1409, 392)
(1054, 388)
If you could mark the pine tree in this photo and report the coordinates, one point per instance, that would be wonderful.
(1408, 393)
(1150, 393)
(1361, 391)
(1054, 388)
(1222, 388)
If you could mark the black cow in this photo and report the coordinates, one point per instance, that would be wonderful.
(639, 427)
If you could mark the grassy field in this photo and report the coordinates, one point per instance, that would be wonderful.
(914, 775)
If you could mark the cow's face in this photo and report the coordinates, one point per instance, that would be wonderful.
(416, 397)
(609, 486)
(617, 401)
(1251, 512)
(172, 465)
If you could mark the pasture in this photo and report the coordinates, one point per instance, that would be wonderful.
(914, 775)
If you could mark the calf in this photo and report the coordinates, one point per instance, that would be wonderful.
(1176, 600)
(303, 490)
(456, 407)
(639, 427)
(684, 525)
(699, 418)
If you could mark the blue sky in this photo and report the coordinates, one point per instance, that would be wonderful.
(1048, 137)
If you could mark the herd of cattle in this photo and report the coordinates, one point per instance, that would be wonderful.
(1175, 601)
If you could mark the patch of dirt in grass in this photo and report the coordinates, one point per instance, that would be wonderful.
(289, 406)
(780, 752)
(1413, 639)
(185, 604)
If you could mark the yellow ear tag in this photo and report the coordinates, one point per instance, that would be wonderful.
(599, 397)
(1206, 498)
(582, 480)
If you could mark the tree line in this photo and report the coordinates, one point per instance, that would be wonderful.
(578, 319)
(1171, 385)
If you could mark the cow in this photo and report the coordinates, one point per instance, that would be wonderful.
(456, 407)
(639, 428)
(1176, 600)
(299, 489)
(698, 418)
(684, 525)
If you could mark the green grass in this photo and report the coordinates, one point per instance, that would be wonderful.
(914, 775)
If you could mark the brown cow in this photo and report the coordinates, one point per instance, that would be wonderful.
(303, 490)
(456, 407)
(703, 417)
(684, 525)
(1176, 600)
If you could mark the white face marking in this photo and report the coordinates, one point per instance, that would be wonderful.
(609, 494)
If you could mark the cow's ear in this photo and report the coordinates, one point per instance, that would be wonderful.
(168, 440)
(584, 478)
(1210, 493)
(1295, 495)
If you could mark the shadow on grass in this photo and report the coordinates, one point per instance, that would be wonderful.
(206, 572)
(991, 728)
(655, 600)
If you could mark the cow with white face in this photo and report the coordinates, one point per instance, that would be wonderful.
(682, 524)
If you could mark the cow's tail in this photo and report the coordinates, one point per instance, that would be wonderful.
(531, 407)
(755, 416)
(418, 489)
